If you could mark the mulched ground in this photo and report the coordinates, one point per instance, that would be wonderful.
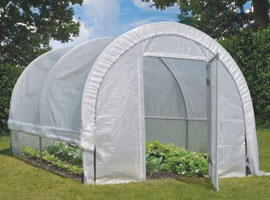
(162, 175)
(51, 168)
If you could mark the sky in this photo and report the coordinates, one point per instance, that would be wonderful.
(104, 18)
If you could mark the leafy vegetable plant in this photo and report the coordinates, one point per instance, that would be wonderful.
(161, 157)
(48, 155)
(66, 152)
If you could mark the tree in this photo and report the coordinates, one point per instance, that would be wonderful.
(26, 27)
(219, 18)
(250, 50)
(261, 12)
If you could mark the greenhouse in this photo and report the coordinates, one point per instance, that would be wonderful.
(163, 81)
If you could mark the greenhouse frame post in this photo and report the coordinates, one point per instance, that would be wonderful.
(95, 164)
(10, 142)
(217, 95)
(40, 151)
(212, 108)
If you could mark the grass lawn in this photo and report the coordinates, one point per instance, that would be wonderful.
(19, 180)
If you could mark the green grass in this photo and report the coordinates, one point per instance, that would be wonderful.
(19, 180)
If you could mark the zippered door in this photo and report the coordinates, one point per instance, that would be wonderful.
(212, 118)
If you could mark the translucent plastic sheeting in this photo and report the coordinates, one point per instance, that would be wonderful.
(119, 135)
(62, 93)
(166, 131)
(165, 79)
(197, 136)
(232, 131)
(60, 102)
(25, 100)
(191, 76)
(19, 140)
(162, 94)
(111, 91)
(110, 102)
(26, 94)
(118, 120)
(162, 98)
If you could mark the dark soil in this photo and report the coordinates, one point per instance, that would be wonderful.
(162, 174)
(51, 168)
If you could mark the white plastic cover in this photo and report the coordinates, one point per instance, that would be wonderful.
(46, 101)
(24, 105)
(212, 85)
(149, 83)
(163, 101)
(112, 108)
(60, 102)
(26, 93)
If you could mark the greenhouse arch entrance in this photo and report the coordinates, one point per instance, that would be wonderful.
(180, 102)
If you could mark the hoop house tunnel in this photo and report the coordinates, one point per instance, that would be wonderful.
(162, 81)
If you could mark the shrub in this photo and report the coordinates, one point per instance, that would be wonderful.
(161, 157)
(251, 51)
(8, 77)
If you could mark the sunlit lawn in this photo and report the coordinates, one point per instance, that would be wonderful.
(19, 180)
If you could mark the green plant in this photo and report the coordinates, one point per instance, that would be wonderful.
(53, 160)
(8, 77)
(161, 157)
(32, 153)
(66, 152)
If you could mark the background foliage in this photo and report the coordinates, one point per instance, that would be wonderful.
(220, 18)
(251, 51)
(26, 27)
(216, 18)
(8, 77)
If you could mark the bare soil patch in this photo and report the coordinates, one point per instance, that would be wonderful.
(162, 175)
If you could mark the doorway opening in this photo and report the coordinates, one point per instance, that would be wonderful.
(178, 102)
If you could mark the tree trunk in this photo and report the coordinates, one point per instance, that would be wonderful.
(260, 12)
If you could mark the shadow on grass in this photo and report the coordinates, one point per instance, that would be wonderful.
(5, 151)
(204, 182)
(200, 181)
(50, 168)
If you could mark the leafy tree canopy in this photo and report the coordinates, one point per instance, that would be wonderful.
(26, 27)
(219, 18)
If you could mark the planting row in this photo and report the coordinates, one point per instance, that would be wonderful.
(159, 157)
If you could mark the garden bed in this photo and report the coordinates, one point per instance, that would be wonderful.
(51, 168)
(167, 160)
(162, 161)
